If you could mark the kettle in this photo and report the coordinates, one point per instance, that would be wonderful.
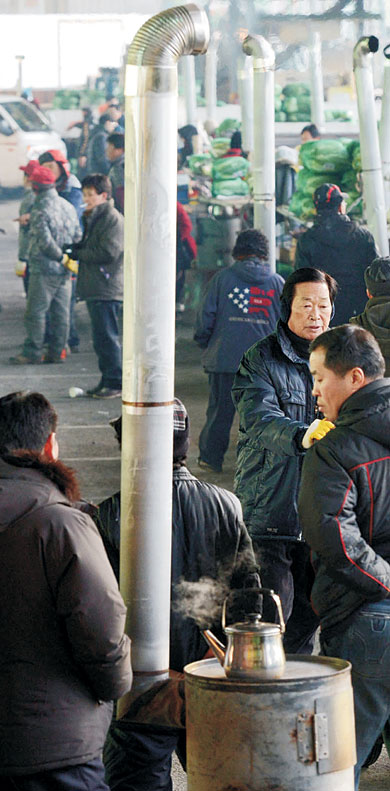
(255, 649)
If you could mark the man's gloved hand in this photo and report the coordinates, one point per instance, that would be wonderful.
(20, 268)
(70, 263)
(317, 430)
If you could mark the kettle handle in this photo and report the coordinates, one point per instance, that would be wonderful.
(267, 591)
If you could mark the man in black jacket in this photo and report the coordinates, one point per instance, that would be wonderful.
(63, 654)
(272, 394)
(339, 246)
(344, 510)
(211, 555)
(99, 282)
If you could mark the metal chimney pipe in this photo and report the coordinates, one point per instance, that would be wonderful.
(245, 91)
(190, 89)
(263, 161)
(384, 127)
(211, 83)
(149, 327)
(373, 190)
(317, 86)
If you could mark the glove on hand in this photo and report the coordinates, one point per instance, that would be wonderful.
(317, 430)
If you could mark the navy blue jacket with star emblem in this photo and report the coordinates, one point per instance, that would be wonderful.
(241, 306)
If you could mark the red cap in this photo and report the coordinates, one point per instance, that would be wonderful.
(30, 167)
(55, 156)
(42, 175)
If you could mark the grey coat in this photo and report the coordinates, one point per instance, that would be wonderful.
(100, 254)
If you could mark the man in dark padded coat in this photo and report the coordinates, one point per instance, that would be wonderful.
(345, 515)
(63, 654)
(272, 394)
(339, 246)
(100, 280)
(211, 553)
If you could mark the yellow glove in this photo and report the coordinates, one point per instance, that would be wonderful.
(317, 430)
(70, 264)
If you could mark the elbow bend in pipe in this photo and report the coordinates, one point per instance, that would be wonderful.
(365, 46)
(183, 30)
(263, 54)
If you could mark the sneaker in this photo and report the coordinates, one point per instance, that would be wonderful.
(96, 389)
(107, 392)
(48, 358)
(21, 359)
(208, 467)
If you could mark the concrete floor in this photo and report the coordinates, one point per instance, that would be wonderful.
(86, 440)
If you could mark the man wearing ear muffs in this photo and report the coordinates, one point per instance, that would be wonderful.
(272, 392)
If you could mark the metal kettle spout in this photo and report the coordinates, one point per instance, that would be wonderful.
(216, 646)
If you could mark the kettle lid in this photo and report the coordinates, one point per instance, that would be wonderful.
(253, 626)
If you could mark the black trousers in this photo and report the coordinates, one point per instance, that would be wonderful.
(84, 777)
(285, 567)
(139, 757)
(215, 434)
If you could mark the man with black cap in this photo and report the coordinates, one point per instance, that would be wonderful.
(339, 246)
(376, 315)
(272, 394)
(210, 548)
(241, 305)
(53, 225)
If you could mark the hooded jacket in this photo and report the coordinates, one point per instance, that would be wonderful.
(63, 651)
(344, 507)
(376, 319)
(241, 305)
(100, 254)
(272, 395)
(344, 250)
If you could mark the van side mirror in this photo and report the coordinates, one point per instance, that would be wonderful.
(5, 128)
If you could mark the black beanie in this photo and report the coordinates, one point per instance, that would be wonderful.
(377, 277)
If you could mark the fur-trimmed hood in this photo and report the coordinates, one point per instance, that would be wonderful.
(28, 483)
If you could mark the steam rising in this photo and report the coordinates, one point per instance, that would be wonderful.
(202, 600)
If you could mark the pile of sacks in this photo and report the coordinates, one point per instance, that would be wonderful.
(336, 161)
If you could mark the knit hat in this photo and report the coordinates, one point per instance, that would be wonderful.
(54, 155)
(42, 177)
(30, 167)
(377, 277)
(181, 431)
(328, 196)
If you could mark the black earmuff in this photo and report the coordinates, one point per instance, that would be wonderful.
(284, 310)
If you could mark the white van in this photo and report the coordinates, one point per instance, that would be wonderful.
(25, 133)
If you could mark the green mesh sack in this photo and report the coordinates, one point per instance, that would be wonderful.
(280, 116)
(230, 168)
(357, 211)
(307, 182)
(290, 105)
(278, 90)
(227, 127)
(305, 117)
(324, 156)
(348, 181)
(292, 116)
(297, 89)
(356, 157)
(302, 206)
(229, 187)
(220, 146)
(278, 105)
(197, 163)
(304, 104)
